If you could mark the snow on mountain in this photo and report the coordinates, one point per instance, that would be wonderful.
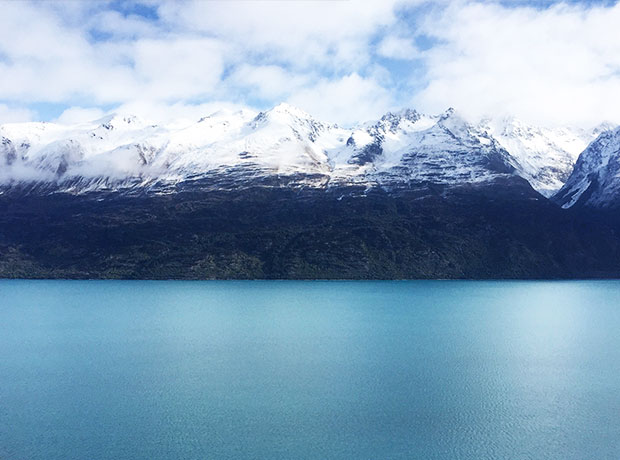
(409, 147)
(595, 180)
(545, 156)
(401, 148)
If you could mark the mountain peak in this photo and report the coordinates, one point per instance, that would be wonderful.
(451, 119)
(603, 127)
(450, 111)
(285, 108)
(119, 120)
(595, 180)
(286, 114)
(402, 144)
(402, 114)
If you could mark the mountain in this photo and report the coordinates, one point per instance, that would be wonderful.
(407, 147)
(595, 180)
(233, 149)
(545, 156)
(279, 194)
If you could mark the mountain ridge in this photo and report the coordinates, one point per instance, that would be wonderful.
(122, 151)
(595, 180)
(278, 194)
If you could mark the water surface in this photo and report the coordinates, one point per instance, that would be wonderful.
(317, 370)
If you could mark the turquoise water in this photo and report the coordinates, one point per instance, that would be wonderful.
(320, 370)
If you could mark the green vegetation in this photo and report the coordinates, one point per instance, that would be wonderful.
(499, 231)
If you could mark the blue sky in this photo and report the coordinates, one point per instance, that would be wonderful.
(343, 61)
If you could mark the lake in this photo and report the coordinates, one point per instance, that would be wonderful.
(309, 370)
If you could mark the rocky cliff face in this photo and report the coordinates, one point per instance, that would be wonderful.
(595, 180)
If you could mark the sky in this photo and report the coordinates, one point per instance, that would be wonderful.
(343, 61)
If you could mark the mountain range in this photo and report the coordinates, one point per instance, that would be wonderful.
(280, 194)
(122, 152)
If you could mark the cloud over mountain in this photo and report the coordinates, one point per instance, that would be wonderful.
(344, 61)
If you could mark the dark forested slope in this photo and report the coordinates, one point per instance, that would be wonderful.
(499, 230)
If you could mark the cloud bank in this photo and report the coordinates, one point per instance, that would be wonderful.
(343, 61)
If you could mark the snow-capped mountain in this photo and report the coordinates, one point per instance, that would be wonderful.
(280, 194)
(545, 156)
(409, 147)
(228, 149)
(595, 180)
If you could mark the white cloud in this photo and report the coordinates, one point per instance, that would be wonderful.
(346, 100)
(267, 81)
(119, 26)
(12, 115)
(46, 60)
(181, 113)
(79, 115)
(43, 60)
(559, 65)
(555, 65)
(196, 51)
(302, 34)
(178, 68)
(397, 48)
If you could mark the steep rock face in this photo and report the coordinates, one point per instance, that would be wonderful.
(7, 151)
(595, 181)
